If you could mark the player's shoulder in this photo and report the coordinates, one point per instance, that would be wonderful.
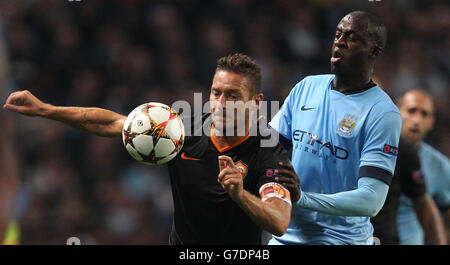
(317, 79)
(320, 77)
(268, 145)
(436, 167)
(382, 102)
(312, 84)
(433, 154)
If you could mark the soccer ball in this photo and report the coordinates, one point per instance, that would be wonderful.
(153, 133)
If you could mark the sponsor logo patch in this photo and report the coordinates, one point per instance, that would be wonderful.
(269, 173)
(389, 149)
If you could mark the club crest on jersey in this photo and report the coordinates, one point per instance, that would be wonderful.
(347, 125)
(242, 167)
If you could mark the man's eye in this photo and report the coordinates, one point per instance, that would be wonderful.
(352, 38)
(338, 35)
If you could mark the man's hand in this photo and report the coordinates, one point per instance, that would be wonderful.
(26, 103)
(230, 178)
(289, 180)
(272, 215)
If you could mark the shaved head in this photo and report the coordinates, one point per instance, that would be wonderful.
(416, 93)
(359, 40)
(375, 27)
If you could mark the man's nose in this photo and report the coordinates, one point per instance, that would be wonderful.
(218, 104)
(222, 100)
(417, 118)
(340, 42)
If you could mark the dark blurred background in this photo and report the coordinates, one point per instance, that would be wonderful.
(119, 54)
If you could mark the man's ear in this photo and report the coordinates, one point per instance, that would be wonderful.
(432, 121)
(376, 51)
(258, 97)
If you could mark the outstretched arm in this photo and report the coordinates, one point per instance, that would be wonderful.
(98, 121)
(366, 200)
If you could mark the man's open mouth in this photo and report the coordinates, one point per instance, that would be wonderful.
(336, 57)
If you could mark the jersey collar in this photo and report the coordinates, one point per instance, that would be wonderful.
(226, 148)
(356, 89)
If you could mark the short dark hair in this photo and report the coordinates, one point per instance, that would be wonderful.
(376, 28)
(399, 100)
(242, 64)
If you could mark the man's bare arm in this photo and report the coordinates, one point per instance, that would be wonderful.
(272, 215)
(430, 219)
(98, 121)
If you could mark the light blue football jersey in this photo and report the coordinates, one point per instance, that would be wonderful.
(436, 170)
(333, 136)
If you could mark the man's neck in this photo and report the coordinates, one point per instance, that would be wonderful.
(345, 83)
(418, 144)
(224, 141)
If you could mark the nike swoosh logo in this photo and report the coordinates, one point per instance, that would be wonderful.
(183, 156)
(303, 108)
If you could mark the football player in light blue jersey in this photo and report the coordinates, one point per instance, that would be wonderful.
(416, 108)
(344, 132)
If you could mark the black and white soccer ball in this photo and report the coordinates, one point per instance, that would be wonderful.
(153, 133)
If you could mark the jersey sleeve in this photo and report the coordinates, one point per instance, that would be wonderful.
(441, 195)
(268, 187)
(282, 121)
(380, 148)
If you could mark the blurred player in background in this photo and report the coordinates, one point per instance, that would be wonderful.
(417, 110)
(409, 181)
(9, 172)
(344, 132)
(224, 187)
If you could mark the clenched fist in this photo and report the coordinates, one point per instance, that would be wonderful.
(26, 103)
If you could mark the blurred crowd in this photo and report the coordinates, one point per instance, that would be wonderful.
(117, 54)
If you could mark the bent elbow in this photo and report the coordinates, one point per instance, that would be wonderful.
(372, 211)
(372, 214)
(280, 229)
(366, 210)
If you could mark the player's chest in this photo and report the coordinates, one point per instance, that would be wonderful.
(331, 117)
(198, 172)
(327, 127)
